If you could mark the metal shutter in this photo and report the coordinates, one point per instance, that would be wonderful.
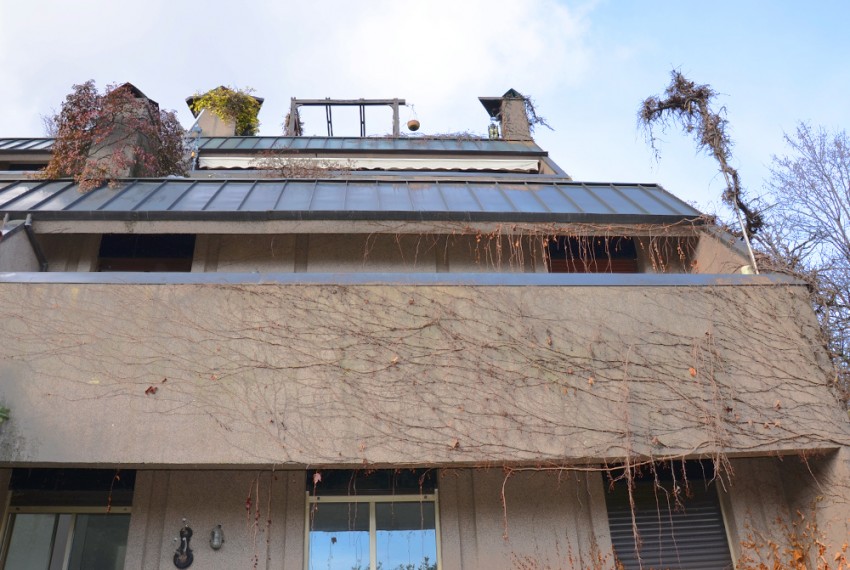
(689, 538)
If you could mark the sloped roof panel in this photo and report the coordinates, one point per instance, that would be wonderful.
(347, 144)
(370, 144)
(473, 198)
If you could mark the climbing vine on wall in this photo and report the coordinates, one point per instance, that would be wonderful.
(230, 104)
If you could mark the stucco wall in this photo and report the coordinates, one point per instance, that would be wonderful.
(714, 254)
(388, 374)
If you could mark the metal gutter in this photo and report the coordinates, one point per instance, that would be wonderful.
(411, 279)
(359, 215)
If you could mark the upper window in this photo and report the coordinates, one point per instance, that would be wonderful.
(72, 519)
(592, 254)
(146, 252)
(679, 522)
(378, 520)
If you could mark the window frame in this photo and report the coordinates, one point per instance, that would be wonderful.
(6, 525)
(371, 500)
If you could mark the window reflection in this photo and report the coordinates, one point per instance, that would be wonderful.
(406, 536)
(339, 536)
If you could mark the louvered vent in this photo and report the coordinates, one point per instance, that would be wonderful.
(687, 537)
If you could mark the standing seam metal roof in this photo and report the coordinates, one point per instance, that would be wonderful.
(325, 144)
(414, 198)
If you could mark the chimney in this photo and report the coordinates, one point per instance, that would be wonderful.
(213, 125)
(116, 156)
(509, 110)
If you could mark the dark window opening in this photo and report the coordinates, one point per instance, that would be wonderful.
(26, 167)
(75, 487)
(376, 482)
(678, 517)
(146, 252)
(592, 254)
(67, 519)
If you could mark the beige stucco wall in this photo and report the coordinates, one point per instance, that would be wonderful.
(714, 254)
(388, 374)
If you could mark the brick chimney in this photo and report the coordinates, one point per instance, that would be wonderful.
(116, 155)
(211, 124)
(509, 110)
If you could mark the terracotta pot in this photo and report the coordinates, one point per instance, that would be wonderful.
(413, 125)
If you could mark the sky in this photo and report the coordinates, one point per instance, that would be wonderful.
(587, 64)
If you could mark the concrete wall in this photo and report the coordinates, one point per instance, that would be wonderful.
(389, 374)
(16, 253)
(716, 254)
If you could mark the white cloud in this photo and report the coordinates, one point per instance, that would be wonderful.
(438, 54)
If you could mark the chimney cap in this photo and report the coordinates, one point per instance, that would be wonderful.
(493, 105)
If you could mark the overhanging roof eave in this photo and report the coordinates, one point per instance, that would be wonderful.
(350, 215)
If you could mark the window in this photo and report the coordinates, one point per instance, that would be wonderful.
(393, 525)
(73, 519)
(146, 252)
(678, 517)
(592, 254)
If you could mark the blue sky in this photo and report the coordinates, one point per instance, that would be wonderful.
(586, 64)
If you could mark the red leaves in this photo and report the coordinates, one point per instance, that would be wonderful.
(148, 141)
(151, 390)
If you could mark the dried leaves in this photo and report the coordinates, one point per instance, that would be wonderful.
(689, 105)
(117, 134)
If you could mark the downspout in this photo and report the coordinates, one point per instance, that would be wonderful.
(36, 248)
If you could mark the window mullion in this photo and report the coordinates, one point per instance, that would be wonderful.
(373, 537)
(62, 539)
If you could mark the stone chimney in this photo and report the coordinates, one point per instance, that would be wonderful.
(116, 156)
(212, 125)
(509, 110)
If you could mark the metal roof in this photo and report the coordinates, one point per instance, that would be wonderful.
(414, 198)
(324, 144)
(369, 144)
(25, 144)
